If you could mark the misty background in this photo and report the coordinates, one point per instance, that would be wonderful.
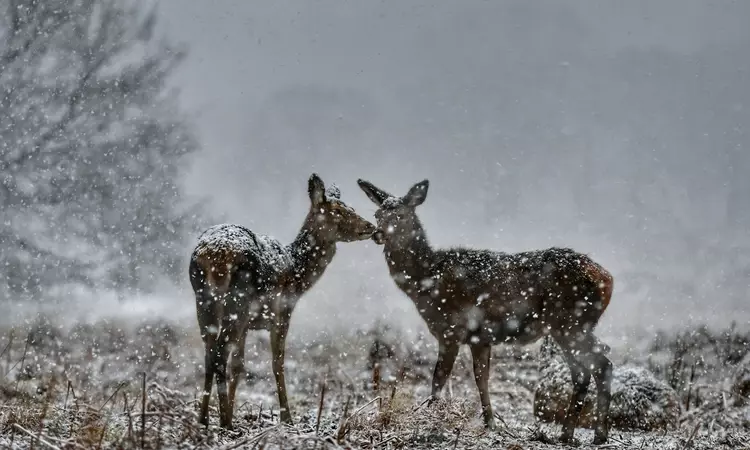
(618, 129)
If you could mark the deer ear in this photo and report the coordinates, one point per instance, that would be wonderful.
(374, 193)
(317, 189)
(417, 194)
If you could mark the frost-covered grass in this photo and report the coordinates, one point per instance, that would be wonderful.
(82, 385)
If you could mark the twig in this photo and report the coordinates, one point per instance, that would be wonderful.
(7, 346)
(112, 396)
(506, 428)
(75, 400)
(690, 387)
(386, 441)
(692, 435)
(455, 443)
(246, 442)
(427, 400)
(341, 432)
(352, 384)
(130, 420)
(67, 392)
(359, 410)
(33, 438)
(23, 359)
(320, 405)
(158, 434)
(376, 377)
(143, 413)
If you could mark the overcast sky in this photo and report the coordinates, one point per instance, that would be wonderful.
(616, 128)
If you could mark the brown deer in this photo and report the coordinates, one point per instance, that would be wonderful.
(482, 298)
(244, 281)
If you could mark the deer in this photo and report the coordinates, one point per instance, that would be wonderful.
(483, 297)
(245, 281)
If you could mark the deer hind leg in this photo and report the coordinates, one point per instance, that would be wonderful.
(481, 359)
(209, 341)
(580, 377)
(208, 310)
(237, 367)
(601, 366)
(447, 353)
(278, 350)
(588, 352)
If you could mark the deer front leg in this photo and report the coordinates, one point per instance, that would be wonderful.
(481, 359)
(447, 353)
(278, 344)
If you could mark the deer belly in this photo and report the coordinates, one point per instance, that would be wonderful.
(260, 315)
(518, 329)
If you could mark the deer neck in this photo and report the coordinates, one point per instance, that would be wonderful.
(311, 253)
(409, 253)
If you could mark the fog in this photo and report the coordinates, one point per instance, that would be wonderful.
(615, 128)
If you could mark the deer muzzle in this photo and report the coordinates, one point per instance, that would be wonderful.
(379, 237)
(367, 230)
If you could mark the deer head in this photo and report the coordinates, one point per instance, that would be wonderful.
(396, 217)
(332, 219)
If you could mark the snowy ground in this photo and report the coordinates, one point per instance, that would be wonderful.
(79, 384)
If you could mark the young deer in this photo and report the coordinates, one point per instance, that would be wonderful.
(482, 298)
(243, 281)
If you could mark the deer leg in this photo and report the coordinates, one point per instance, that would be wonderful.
(237, 367)
(220, 367)
(278, 343)
(481, 359)
(447, 353)
(593, 355)
(580, 377)
(207, 320)
(209, 341)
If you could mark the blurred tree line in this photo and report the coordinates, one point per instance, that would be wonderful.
(92, 149)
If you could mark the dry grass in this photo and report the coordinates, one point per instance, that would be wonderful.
(83, 387)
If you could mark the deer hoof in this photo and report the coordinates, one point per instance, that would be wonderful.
(566, 437)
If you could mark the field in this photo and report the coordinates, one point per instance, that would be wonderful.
(126, 384)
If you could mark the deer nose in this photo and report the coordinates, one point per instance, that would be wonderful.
(378, 237)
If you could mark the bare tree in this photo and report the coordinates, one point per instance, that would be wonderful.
(91, 147)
